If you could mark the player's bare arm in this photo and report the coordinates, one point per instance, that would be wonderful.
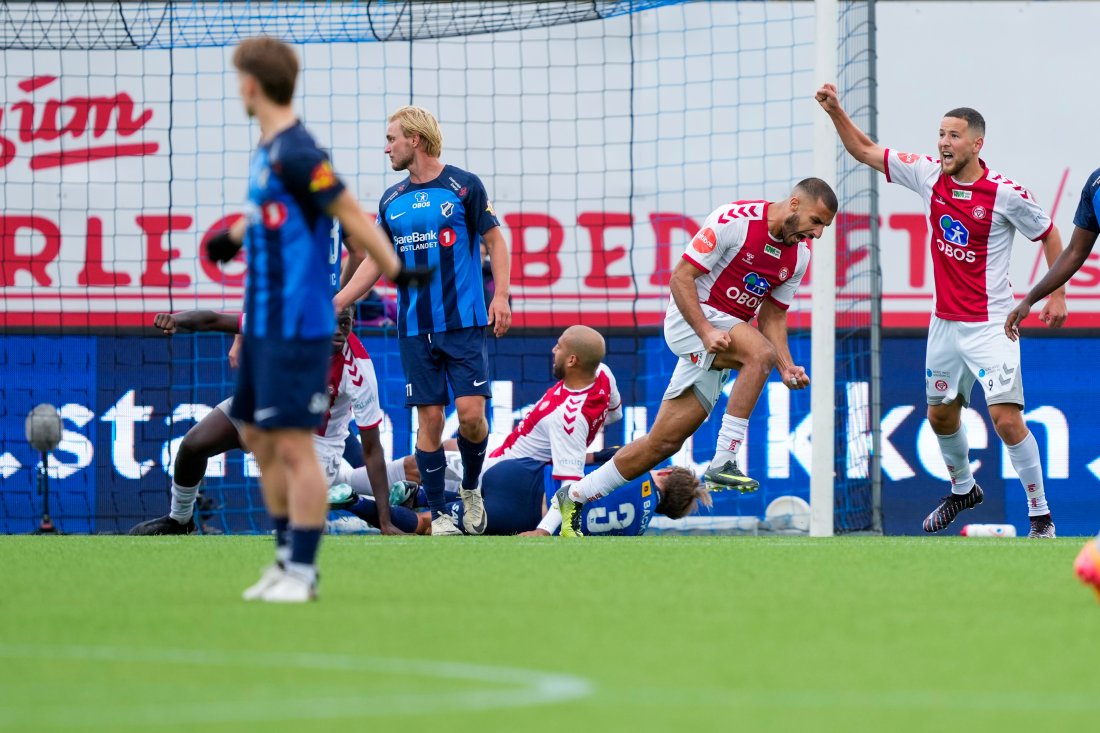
(362, 279)
(234, 354)
(772, 321)
(686, 297)
(500, 312)
(855, 140)
(363, 236)
(1061, 270)
(1054, 312)
(374, 458)
(201, 321)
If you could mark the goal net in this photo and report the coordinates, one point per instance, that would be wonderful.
(604, 132)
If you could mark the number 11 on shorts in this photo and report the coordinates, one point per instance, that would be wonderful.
(408, 389)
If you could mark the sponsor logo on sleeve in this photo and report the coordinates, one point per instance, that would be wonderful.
(322, 178)
(908, 158)
(705, 241)
(489, 208)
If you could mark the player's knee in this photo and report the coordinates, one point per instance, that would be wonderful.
(664, 447)
(943, 422)
(1008, 423)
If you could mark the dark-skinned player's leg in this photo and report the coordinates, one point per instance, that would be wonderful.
(211, 436)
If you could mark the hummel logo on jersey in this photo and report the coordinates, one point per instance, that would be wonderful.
(954, 231)
(447, 208)
(773, 251)
(756, 284)
(397, 216)
(964, 195)
(749, 256)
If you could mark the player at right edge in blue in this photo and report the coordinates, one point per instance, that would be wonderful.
(1086, 228)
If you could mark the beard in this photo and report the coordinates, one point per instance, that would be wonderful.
(400, 164)
(558, 370)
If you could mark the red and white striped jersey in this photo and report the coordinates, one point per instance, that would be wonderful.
(352, 392)
(743, 262)
(972, 229)
(561, 426)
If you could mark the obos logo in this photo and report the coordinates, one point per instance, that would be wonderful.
(955, 236)
(422, 201)
(705, 241)
(756, 284)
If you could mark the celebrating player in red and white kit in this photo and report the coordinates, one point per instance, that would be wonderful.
(747, 261)
(974, 213)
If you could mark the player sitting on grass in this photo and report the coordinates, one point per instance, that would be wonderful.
(516, 493)
(352, 390)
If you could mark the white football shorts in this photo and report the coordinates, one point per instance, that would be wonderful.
(693, 367)
(960, 354)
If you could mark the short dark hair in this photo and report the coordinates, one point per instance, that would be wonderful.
(272, 63)
(681, 494)
(818, 190)
(974, 119)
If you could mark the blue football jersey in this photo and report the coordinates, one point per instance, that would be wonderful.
(626, 511)
(440, 224)
(289, 239)
(1086, 218)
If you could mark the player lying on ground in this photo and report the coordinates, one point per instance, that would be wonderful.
(352, 391)
(974, 214)
(746, 262)
(515, 493)
(1086, 228)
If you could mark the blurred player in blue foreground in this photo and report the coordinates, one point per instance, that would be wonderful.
(1086, 227)
(438, 217)
(293, 195)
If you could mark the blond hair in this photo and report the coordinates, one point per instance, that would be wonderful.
(419, 121)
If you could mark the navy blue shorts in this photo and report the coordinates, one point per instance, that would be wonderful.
(281, 384)
(431, 360)
(514, 497)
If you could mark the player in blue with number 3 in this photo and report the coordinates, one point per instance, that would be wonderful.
(437, 217)
(293, 195)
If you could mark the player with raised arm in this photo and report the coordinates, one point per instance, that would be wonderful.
(974, 213)
(746, 262)
(352, 392)
(1086, 228)
(437, 217)
(293, 194)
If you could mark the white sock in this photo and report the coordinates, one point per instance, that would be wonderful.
(730, 438)
(183, 502)
(956, 455)
(1025, 459)
(597, 484)
(282, 554)
(306, 572)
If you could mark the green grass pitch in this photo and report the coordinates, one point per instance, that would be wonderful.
(508, 634)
